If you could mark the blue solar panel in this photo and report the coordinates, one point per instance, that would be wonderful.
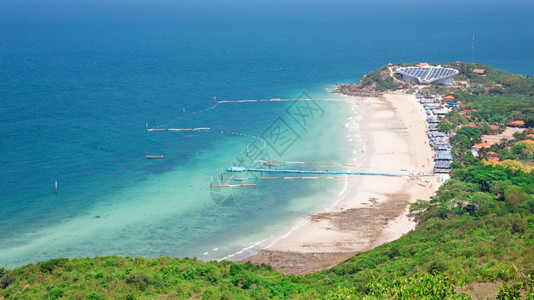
(427, 74)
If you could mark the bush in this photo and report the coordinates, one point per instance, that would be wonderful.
(55, 293)
(420, 286)
(7, 280)
(437, 266)
(514, 195)
(519, 225)
(419, 206)
(236, 269)
(140, 280)
(95, 296)
(50, 265)
(509, 292)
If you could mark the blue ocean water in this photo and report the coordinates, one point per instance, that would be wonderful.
(78, 82)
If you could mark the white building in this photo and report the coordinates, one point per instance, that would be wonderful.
(427, 74)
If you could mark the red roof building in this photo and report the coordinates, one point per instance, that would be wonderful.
(448, 98)
(494, 127)
(482, 145)
(479, 71)
(516, 123)
(493, 159)
(423, 64)
(459, 103)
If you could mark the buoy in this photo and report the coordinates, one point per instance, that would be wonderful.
(56, 186)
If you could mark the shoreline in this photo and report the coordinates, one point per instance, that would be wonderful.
(370, 210)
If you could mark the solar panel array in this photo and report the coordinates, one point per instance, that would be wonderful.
(427, 74)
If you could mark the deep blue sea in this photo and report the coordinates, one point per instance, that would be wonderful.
(80, 79)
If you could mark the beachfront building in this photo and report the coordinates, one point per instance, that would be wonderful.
(442, 161)
(439, 140)
(428, 74)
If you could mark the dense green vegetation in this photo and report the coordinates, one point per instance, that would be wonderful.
(478, 228)
(380, 80)
(497, 96)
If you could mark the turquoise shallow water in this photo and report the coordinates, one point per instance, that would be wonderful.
(79, 81)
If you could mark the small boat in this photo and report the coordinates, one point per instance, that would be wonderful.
(155, 156)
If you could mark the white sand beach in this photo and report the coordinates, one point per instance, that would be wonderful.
(371, 210)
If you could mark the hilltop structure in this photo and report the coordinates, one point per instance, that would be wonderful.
(427, 74)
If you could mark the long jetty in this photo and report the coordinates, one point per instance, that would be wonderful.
(240, 169)
(276, 100)
(272, 162)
